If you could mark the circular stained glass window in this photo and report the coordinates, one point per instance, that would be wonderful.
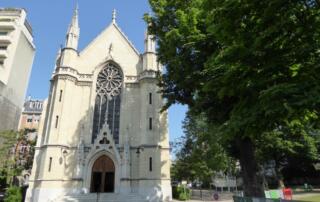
(109, 81)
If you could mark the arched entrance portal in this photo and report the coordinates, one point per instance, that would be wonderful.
(102, 177)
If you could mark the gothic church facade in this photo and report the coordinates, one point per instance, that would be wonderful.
(103, 131)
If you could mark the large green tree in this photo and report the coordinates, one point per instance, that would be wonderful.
(252, 66)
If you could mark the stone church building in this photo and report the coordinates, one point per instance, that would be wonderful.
(103, 137)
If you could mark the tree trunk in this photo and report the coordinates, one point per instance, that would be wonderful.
(281, 183)
(279, 176)
(252, 181)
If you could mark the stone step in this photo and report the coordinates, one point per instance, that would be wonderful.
(102, 197)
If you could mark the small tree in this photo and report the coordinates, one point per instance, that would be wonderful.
(10, 164)
(200, 152)
(7, 163)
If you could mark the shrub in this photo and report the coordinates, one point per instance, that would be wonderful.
(181, 193)
(13, 194)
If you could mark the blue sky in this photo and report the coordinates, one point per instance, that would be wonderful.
(50, 20)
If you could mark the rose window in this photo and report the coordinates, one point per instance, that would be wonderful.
(109, 81)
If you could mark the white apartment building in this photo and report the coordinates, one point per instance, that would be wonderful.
(16, 57)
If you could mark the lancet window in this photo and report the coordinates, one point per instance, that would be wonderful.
(108, 100)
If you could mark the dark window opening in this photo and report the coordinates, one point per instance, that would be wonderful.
(150, 123)
(150, 164)
(60, 96)
(3, 47)
(150, 98)
(57, 120)
(50, 163)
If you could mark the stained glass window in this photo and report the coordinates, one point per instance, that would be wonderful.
(108, 100)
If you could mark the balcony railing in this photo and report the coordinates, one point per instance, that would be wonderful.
(5, 39)
(7, 25)
(3, 54)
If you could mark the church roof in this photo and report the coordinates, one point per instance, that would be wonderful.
(130, 43)
(113, 24)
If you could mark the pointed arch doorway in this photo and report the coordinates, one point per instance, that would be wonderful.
(102, 175)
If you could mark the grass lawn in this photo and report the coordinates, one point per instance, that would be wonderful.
(313, 198)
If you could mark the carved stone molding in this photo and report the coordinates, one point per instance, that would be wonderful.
(132, 85)
(149, 74)
(71, 74)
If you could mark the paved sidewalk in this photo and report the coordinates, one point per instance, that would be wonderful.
(295, 197)
(205, 201)
(298, 196)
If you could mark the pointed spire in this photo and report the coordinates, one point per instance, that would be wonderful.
(114, 16)
(73, 31)
(75, 17)
(74, 22)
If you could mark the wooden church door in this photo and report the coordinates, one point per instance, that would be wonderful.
(102, 177)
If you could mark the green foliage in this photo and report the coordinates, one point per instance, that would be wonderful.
(13, 194)
(181, 193)
(7, 140)
(252, 67)
(9, 164)
(200, 153)
(3, 179)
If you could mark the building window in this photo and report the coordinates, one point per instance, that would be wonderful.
(2, 33)
(150, 164)
(150, 98)
(29, 118)
(150, 123)
(50, 163)
(57, 121)
(1, 61)
(60, 96)
(36, 118)
(108, 100)
(2, 47)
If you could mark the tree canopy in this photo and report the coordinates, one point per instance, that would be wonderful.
(251, 66)
(199, 153)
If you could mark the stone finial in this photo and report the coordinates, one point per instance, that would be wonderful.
(114, 15)
(73, 30)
